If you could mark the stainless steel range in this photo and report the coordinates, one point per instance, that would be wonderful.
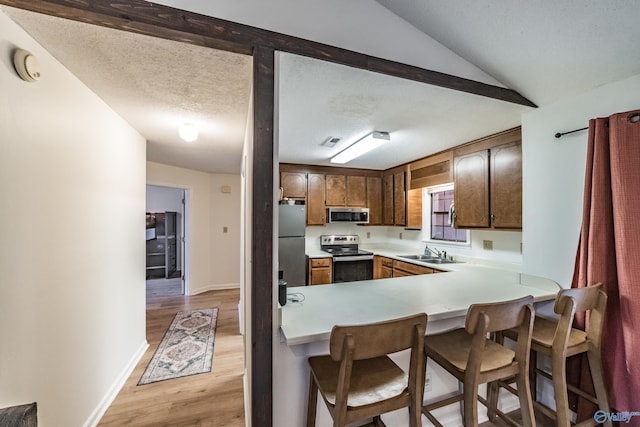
(350, 263)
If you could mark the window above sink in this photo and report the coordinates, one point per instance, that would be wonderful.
(438, 208)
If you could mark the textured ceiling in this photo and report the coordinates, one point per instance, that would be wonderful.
(544, 50)
(156, 85)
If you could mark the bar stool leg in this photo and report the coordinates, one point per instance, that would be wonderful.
(312, 403)
(470, 402)
(493, 392)
(533, 374)
(597, 376)
(559, 372)
(524, 395)
(461, 404)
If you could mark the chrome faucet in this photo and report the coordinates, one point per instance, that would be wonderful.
(428, 251)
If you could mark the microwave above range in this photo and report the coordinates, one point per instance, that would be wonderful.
(353, 215)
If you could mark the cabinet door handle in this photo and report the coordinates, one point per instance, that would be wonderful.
(493, 218)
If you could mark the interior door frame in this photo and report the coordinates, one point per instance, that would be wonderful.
(174, 24)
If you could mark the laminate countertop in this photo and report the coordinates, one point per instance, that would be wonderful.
(445, 297)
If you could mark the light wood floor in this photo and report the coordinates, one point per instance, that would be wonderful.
(164, 287)
(213, 399)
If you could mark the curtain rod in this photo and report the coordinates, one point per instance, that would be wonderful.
(559, 134)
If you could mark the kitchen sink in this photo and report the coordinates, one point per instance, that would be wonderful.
(429, 259)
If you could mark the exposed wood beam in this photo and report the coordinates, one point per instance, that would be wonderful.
(163, 21)
(262, 238)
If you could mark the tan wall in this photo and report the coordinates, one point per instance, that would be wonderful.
(72, 290)
(213, 256)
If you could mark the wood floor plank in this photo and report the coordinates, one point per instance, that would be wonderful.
(213, 399)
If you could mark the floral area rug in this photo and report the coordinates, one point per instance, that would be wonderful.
(186, 349)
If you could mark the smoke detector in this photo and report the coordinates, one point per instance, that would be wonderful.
(331, 141)
(26, 65)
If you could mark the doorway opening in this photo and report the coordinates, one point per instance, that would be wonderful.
(166, 262)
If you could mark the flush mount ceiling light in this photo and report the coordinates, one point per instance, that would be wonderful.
(371, 141)
(188, 132)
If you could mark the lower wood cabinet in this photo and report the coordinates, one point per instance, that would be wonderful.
(320, 271)
(407, 269)
(384, 268)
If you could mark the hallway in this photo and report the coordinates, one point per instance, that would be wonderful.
(213, 399)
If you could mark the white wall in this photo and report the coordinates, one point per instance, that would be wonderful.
(357, 27)
(506, 244)
(553, 175)
(72, 289)
(214, 260)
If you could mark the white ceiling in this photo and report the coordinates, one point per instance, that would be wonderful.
(318, 100)
(544, 50)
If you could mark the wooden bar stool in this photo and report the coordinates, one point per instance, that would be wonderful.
(474, 359)
(358, 380)
(558, 340)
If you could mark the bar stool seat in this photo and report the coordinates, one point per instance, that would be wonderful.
(473, 359)
(455, 346)
(372, 380)
(544, 331)
(357, 380)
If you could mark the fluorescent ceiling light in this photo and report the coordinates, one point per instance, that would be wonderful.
(188, 132)
(371, 141)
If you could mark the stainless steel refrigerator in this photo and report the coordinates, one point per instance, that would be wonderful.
(291, 249)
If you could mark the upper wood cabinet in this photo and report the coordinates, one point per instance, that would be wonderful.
(315, 199)
(374, 199)
(506, 186)
(387, 199)
(488, 182)
(399, 198)
(294, 184)
(335, 190)
(394, 196)
(349, 190)
(471, 190)
(356, 191)
(414, 208)
(432, 170)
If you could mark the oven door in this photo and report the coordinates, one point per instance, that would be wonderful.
(352, 268)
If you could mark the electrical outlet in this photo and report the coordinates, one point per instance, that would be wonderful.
(487, 245)
(368, 235)
(520, 247)
(427, 382)
(225, 229)
(400, 235)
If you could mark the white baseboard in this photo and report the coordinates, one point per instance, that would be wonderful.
(217, 287)
(247, 400)
(113, 391)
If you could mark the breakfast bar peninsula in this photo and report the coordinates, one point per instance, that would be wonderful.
(305, 325)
